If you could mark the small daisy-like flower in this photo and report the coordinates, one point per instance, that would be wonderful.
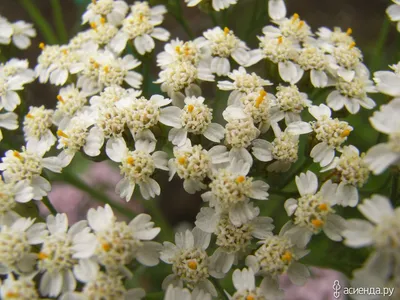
(393, 11)
(56, 256)
(19, 67)
(245, 284)
(111, 95)
(9, 121)
(190, 262)
(217, 5)
(388, 82)
(195, 118)
(11, 193)
(242, 84)
(71, 100)
(276, 9)
(102, 32)
(313, 212)
(231, 189)
(224, 44)
(380, 231)
(36, 128)
(277, 255)
(9, 98)
(23, 288)
(381, 156)
(140, 27)
(177, 50)
(28, 165)
(330, 133)
(76, 135)
(283, 149)
(137, 166)
(292, 102)
(100, 285)
(113, 11)
(329, 39)
(352, 94)
(232, 240)
(284, 52)
(115, 244)
(22, 34)
(6, 31)
(16, 238)
(194, 163)
(293, 28)
(352, 173)
(177, 292)
(313, 59)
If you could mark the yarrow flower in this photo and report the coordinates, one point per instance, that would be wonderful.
(217, 5)
(113, 11)
(177, 292)
(22, 288)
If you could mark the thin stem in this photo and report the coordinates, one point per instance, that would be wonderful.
(49, 205)
(219, 289)
(395, 186)
(96, 194)
(146, 72)
(181, 20)
(376, 59)
(40, 21)
(58, 20)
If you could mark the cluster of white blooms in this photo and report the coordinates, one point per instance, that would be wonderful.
(227, 148)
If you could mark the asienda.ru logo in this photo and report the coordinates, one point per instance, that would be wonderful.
(370, 291)
(336, 289)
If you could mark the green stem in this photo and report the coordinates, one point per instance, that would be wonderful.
(181, 20)
(154, 296)
(58, 20)
(395, 186)
(213, 18)
(146, 75)
(49, 205)
(376, 59)
(219, 288)
(39, 20)
(95, 193)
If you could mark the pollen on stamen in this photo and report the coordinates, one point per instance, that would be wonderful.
(250, 297)
(295, 17)
(190, 108)
(106, 69)
(60, 98)
(12, 295)
(181, 160)
(323, 207)
(64, 51)
(260, 98)
(17, 155)
(62, 134)
(93, 25)
(94, 1)
(280, 40)
(226, 30)
(103, 20)
(29, 116)
(301, 24)
(106, 246)
(317, 223)
(287, 256)
(240, 179)
(352, 45)
(345, 133)
(178, 49)
(130, 160)
(42, 45)
(192, 265)
(349, 31)
(42, 255)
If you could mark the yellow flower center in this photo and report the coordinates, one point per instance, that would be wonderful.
(240, 179)
(287, 256)
(181, 160)
(190, 108)
(317, 223)
(62, 134)
(323, 207)
(42, 255)
(106, 246)
(130, 160)
(192, 264)
(345, 133)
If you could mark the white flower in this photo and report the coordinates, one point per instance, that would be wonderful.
(352, 93)
(331, 133)
(115, 244)
(276, 9)
(16, 66)
(177, 50)
(99, 284)
(16, 238)
(284, 52)
(9, 98)
(111, 95)
(22, 288)
(102, 32)
(224, 44)
(245, 285)
(8, 120)
(313, 59)
(232, 240)
(190, 262)
(313, 212)
(56, 256)
(292, 102)
(28, 165)
(293, 28)
(243, 84)
(231, 189)
(114, 11)
(140, 27)
(216, 4)
(388, 82)
(36, 128)
(11, 193)
(393, 11)
(283, 149)
(193, 164)
(345, 60)
(380, 231)
(195, 117)
(329, 39)
(6, 31)
(137, 166)
(278, 255)
(22, 32)
(382, 155)
(177, 292)
(352, 172)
